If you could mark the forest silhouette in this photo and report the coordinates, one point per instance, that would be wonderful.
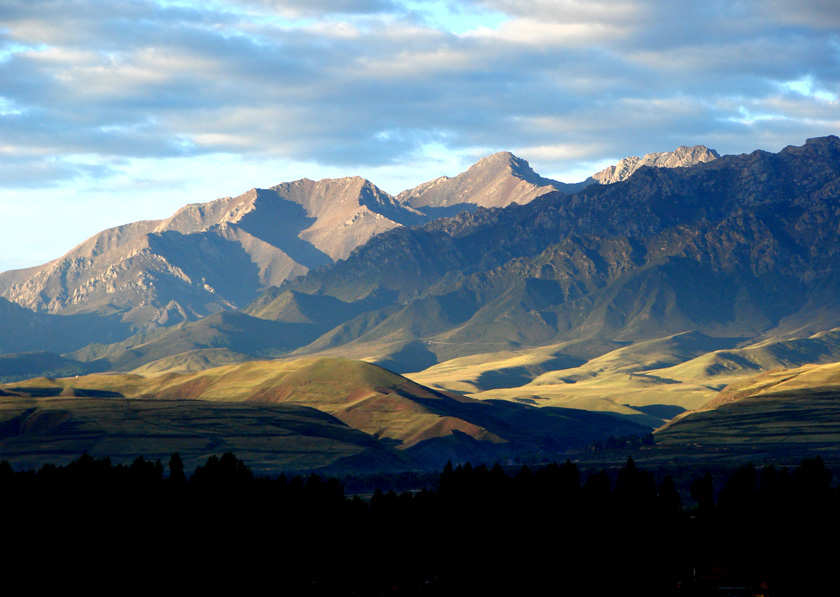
(474, 530)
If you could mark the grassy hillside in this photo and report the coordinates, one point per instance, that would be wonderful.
(433, 425)
(270, 438)
(780, 415)
(656, 379)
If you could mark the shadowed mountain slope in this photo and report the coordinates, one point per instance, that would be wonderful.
(797, 183)
(21, 330)
(25, 365)
(240, 335)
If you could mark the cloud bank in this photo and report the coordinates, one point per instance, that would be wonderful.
(87, 86)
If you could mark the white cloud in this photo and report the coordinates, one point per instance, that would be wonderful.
(148, 78)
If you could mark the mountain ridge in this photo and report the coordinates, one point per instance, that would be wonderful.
(221, 254)
(612, 260)
(496, 180)
(207, 257)
(752, 209)
(681, 157)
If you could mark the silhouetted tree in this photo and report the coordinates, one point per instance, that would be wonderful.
(595, 493)
(176, 469)
(703, 492)
(227, 470)
(812, 483)
(635, 489)
(669, 498)
(739, 497)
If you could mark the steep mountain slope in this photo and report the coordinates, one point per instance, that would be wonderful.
(240, 335)
(798, 183)
(209, 257)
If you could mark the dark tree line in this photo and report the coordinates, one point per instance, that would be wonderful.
(477, 530)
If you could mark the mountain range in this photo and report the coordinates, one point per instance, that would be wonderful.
(680, 157)
(740, 246)
(210, 257)
(641, 292)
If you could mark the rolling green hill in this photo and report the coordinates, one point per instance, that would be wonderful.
(778, 416)
(270, 438)
(421, 422)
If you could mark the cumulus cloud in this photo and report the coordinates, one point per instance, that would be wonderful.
(358, 83)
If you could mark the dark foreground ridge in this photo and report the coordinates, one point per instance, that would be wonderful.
(478, 530)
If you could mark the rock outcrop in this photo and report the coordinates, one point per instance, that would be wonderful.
(680, 157)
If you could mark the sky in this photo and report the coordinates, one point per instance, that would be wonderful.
(118, 111)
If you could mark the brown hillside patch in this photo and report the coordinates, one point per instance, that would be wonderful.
(445, 426)
(749, 387)
(190, 389)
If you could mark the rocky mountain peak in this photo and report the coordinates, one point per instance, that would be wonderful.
(501, 158)
(680, 157)
(821, 146)
(496, 180)
(504, 161)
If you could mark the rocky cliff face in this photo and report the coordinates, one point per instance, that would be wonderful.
(680, 157)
